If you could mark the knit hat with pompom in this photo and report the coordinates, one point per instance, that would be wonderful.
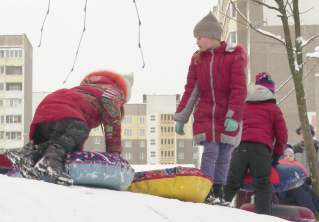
(264, 79)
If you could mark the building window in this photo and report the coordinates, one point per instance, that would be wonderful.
(13, 102)
(172, 141)
(13, 70)
(162, 117)
(153, 142)
(1, 85)
(97, 129)
(96, 140)
(153, 154)
(2, 70)
(128, 156)
(162, 154)
(13, 53)
(194, 155)
(128, 120)
(1, 135)
(1, 53)
(172, 153)
(14, 87)
(232, 39)
(181, 156)
(193, 144)
(172, 117)
(141, 120)
(152, 129)
(1, 119)
(142, 143)
(13, 119)
(152, 117)
(181, 143)
(1, 102)
(128, 143)
(142, 156)
(169, 141)
(13, 135)
(142, 131)
(128, 132)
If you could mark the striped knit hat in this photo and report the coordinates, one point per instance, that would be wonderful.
(264, 79)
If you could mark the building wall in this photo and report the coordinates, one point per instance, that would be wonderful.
(16, 103)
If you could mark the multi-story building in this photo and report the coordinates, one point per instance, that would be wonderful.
(148, 134)
(268, 55)
(16, 57)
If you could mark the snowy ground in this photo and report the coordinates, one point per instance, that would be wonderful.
(25, 200)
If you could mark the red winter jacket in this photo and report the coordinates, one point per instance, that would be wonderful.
(96, 101)
(263, 120)
(216, 85)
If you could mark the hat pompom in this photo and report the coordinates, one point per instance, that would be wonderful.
(264, 79)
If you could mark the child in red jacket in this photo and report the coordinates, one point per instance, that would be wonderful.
(63, 120)
(263, 122)
(216, 86)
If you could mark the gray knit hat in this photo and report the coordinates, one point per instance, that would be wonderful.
(208, 27)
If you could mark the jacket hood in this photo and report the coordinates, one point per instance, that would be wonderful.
(258, 93)
(122, 80)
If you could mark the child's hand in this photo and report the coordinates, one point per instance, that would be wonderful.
(179, 128)
(231, 125)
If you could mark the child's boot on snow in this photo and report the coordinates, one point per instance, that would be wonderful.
(216, 195)
(52, 165)
(25, 160)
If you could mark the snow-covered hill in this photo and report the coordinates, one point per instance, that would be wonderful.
(23, 200)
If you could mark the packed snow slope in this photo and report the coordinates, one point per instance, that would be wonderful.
(23, 200)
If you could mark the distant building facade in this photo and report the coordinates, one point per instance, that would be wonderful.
(16, 67)
(266, 55)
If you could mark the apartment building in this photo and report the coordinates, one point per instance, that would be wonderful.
(16, 58)
(266, 55)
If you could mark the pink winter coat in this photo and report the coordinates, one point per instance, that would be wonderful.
(263, 120)
(216, 86)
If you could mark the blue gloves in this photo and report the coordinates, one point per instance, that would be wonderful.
(231, 125)
(179, 128)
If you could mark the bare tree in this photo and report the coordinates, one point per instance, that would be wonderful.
(286, 9)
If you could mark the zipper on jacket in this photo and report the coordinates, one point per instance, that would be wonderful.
(214, 103)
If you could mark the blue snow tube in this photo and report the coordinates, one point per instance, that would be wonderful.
(285, 175)
(97, 169)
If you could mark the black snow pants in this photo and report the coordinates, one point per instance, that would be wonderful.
(69, 133)
(257, 157)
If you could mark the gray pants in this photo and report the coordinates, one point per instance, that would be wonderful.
(215, 161)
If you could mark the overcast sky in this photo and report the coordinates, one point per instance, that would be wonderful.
(110, 40)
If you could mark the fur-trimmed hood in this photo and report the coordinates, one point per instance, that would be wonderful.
(124, 81)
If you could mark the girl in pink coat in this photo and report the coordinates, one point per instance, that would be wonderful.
(216, 86)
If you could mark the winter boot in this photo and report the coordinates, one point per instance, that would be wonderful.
(25, 160)
(52, 165)
(216, 195)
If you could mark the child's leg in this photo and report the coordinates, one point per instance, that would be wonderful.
(71, 134)
(237, 171)
(314, 195)
(209, 157)
(260, 170)
(222, 163)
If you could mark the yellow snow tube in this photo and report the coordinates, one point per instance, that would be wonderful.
(186, 184)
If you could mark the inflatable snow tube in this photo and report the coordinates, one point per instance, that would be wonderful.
(97, 169)
(291, 213)
(5, 164)
(286, 175)
(182, 183)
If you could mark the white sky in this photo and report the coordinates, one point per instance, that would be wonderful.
(110, 40)
(37, 201)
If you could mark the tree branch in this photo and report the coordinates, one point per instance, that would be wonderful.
(258, 30)
(264, 4)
